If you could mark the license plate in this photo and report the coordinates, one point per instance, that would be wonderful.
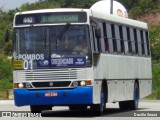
(51, 94)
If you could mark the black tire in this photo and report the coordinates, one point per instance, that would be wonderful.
(98, 109)
(82, 107)
(73, 108)
(124, 105)
(132, 104)
(39, 108)
(78, 107)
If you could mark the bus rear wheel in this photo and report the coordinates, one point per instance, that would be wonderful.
(134, 103)
(39, 108)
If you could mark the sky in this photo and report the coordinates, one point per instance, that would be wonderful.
(12, 4)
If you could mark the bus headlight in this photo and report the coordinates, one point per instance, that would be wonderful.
(28, 85)
(20, 85)
(82, 83)
(75, 84)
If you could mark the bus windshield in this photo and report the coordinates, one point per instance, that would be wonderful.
(49, 42)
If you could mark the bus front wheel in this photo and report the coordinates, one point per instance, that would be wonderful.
(78, 107)
(39, 108)
(98, 109)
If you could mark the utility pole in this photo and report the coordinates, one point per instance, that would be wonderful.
(111, 4)
(111, 9)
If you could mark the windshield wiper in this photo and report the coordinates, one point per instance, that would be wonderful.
(59, 36)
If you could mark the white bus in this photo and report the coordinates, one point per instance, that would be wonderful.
(79, 58)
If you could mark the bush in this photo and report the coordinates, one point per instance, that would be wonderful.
(156, 78)
(5, 73)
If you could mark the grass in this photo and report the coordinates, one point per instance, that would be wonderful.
(153, 96)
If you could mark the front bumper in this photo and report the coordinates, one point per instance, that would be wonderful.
(79, 95)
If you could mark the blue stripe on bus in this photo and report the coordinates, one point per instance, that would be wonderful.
(79, 95)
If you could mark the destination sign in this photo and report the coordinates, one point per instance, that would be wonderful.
(59, 18)
(62, 62)
(47, 18)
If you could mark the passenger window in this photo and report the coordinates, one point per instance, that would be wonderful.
(114, 39)
(129, 40)
(125, 40)
(139, 43)
(106, 45)
(132, 41)
(118, 39)
(109, 35)
(145, 43)
(121, 39)
(136, 40)
(148, 47)
(142, 43)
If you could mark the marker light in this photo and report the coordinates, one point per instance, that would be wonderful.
(88, 82)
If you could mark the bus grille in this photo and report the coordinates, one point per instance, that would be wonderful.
(51, 84)
(50, 74)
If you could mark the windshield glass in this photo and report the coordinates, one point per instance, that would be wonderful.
(52, 43)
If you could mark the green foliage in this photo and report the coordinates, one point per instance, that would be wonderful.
(43, 4)
(140, 7)
(5, 73)
(156, 78)
(155, 42)
(7, 48)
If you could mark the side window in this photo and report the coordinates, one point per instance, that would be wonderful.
(139, 43)
(132, 38)
(142, 43)
(95, 46)
(129, 40)
(109, 37)
(101, 40)
(118, 39)
(125, 40)
(148, 47)
(145, 43)
(121, 39)
(96, 42)
(113, 38)
(136, 40)
(106, 45)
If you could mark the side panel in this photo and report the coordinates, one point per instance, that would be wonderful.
(96, 91)
(145, 88)
(120, 90)
(121, 72)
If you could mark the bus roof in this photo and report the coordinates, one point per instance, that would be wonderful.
(93, 13)
(53, 10)
(119, 20)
